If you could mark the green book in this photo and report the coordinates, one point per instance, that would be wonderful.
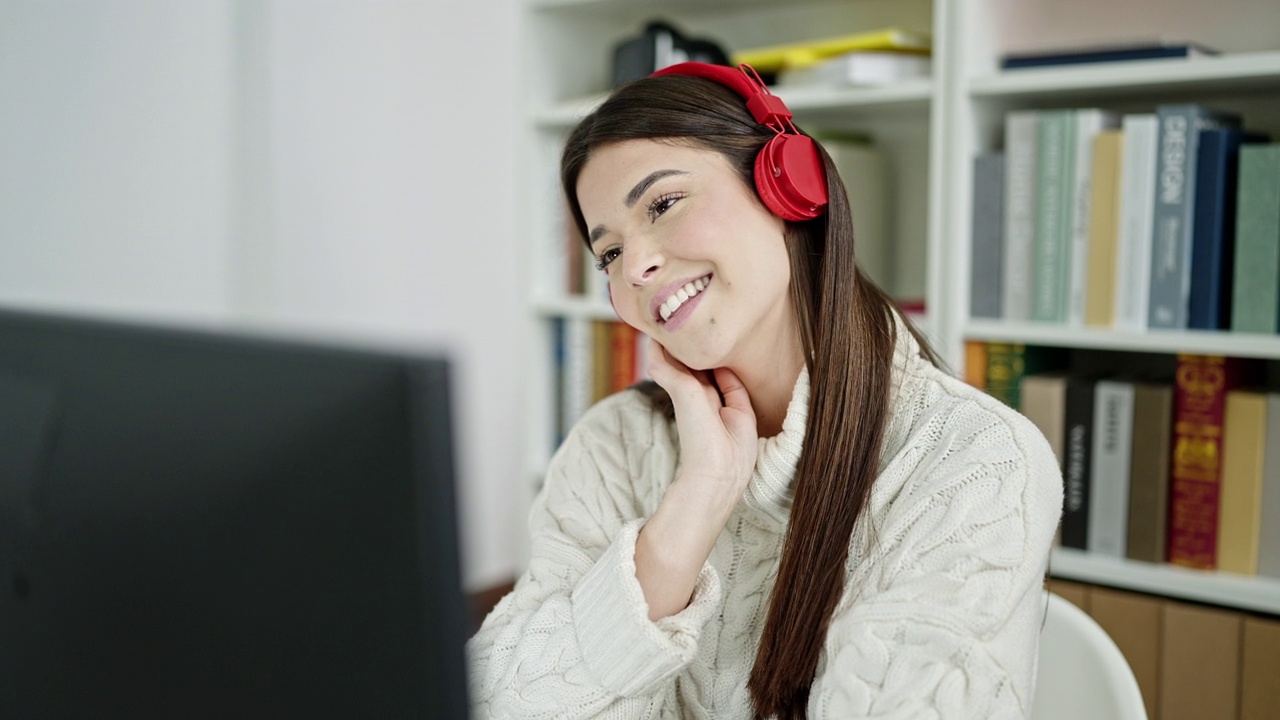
(1255, 296)
(1008, 363)
(1051, 248)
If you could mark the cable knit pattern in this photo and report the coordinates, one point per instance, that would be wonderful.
(942, 603)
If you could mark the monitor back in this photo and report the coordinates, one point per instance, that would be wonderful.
(198, 525)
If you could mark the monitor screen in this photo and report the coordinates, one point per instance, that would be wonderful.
(203, 525)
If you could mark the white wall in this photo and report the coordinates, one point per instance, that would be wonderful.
(345, 167)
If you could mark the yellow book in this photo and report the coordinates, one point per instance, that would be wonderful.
(802, 54)
(1104, 207)
(1244, 445)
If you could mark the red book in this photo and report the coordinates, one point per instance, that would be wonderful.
(623, 356)
(1200, 392)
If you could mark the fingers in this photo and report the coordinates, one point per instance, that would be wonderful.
(732, 390)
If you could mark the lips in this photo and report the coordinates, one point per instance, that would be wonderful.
(671, 298)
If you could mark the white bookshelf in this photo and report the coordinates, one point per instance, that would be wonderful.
(929, 130)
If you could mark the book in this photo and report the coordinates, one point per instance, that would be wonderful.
(865, 68)
(1077, 469)
(1269, 537)
(1103, 226)
(774, 58)
(1133, 243)
(1240, 499)
(1149, 472)
(1200, 389)
(1104, 54)
(1213, 227)
(1008, 363)
(1199, 662)
(1179, 142)
(577, 370)
(1087, 124)
(975, 363)
(1051, 244)
(985, 261)
(862, 169)
(1109, 467)
(1020, 132)
(622, 357)
(1045, 399)
(1255, 303)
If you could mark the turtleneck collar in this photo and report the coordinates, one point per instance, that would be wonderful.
(770, 489)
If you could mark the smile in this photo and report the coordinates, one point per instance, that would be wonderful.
(682, 295)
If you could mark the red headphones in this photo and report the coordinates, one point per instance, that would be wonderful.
(788, 172)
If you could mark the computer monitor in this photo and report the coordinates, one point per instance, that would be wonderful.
(202, 525)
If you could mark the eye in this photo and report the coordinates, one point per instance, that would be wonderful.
(663, 203)
(607, 257)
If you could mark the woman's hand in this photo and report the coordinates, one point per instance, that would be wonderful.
(717, 429)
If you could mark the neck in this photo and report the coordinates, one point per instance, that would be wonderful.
(770, 385)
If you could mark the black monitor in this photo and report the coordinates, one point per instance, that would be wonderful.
(195, 524)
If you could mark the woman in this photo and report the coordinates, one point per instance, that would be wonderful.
(804, 517)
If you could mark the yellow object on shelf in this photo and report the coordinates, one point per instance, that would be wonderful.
(802, 54)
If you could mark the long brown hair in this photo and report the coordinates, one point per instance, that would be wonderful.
(848, 332)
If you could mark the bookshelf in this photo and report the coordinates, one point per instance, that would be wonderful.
(928, 131)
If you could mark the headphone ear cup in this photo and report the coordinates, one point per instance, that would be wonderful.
(790, 179)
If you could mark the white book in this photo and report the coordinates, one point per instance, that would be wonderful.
(865, 67)
(577, 370)
(1089, 122)
(1020, 132)
(1133, 242)
(1109, 494)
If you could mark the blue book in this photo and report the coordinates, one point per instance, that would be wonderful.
(1120, 53)
(1177, 150)
(1214, 227)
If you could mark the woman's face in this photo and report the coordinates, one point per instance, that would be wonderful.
(694, 259)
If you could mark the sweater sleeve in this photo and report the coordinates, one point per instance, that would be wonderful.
(573, 639)
(942, 612)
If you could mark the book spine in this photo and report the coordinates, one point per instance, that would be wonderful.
(622, 357)
(986, 263)
(1077, 468)
(1201, 385)
(1180, 127)
(1103, 226)
(1213, 235)
(1137, 197)
(1255, 305)
(1269, 537)
(1021, 129)
(1004, 372)
(558, 392)
(1051, 249)
(975, 363)
(1045, 397)
(1149, 472)
(601, 359)
(1088, 123)
(577, 364)
(1243, 452)
(1109, 491)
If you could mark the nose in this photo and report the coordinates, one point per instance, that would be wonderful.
(641, 261)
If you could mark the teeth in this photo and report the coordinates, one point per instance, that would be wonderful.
(674, 302)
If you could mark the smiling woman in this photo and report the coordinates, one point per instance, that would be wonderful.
(802, 515)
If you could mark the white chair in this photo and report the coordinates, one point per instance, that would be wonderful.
(1082, 674)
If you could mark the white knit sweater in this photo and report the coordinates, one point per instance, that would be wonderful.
(942, 601)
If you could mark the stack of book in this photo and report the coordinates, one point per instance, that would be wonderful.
(1164, 220)
(593, 359)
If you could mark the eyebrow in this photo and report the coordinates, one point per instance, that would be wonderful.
(634, 196)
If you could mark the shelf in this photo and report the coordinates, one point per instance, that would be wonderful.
(1258, 594)
(1200, 342)
(575, 307)
(1258, 70)
(803, 101)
